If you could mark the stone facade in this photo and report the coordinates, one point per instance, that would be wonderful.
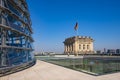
(78, 45)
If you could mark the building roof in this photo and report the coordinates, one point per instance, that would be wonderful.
(44, 71)
(74, 38)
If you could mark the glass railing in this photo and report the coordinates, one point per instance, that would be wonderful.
(93, 65)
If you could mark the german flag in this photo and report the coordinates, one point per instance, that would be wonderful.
(76, 26)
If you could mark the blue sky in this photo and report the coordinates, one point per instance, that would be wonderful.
(54, 20)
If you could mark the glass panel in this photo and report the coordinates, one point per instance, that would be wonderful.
(15, 23)
(92, 65)
(0, 18)
(13, 9)
(0, 2)
(30, 56)
(3, 59)
(17, 57)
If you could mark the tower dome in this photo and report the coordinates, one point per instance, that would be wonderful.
(15, 36)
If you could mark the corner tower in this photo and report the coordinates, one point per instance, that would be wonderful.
(79, 45)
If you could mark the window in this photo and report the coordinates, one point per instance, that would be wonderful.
(83, 46)
(79, 46)
(88, 46)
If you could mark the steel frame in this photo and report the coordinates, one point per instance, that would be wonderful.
(15, 33)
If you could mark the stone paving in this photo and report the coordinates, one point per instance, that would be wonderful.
(47, 71)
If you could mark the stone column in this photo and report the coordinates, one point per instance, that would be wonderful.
(67, 48)
(70, 47)
(81, 47)
(64, 48)
(76, 47)
(91, 46)
(86, 49)
(73, 47)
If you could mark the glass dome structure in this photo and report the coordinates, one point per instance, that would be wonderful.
(16, 50)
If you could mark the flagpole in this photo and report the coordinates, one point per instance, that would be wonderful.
(77, 32)
(76, 29)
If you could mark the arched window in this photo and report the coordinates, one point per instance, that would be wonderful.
(79, 46)
(83, 46)
(88, 46)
